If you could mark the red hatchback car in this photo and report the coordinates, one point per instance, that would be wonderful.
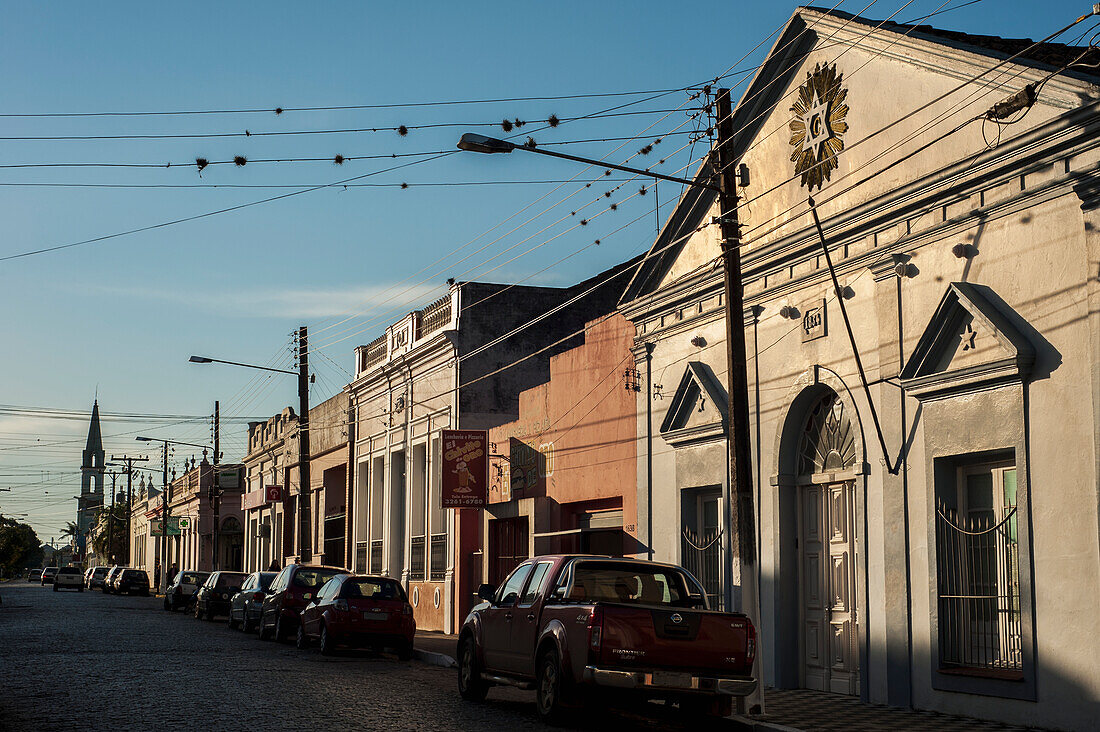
(359, 610)
(290, 592)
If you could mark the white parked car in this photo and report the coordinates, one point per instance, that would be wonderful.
(69, 577)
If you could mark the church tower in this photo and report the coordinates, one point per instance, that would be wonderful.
(91, 475)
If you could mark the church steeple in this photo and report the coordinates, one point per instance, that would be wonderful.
(95, 437)
(91, 474)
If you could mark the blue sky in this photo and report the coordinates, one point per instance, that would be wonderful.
(122, 315)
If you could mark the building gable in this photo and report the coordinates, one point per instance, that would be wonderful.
(699, 408)
(969, 344)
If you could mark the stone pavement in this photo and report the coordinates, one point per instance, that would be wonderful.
(816, 711)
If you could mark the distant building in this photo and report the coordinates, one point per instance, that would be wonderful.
(144, 547)
(271, 496)
(206, 540)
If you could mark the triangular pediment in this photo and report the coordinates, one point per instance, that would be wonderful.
(970, 343)
(698, 409)
(857, 89)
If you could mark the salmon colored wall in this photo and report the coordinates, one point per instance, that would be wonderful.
(584, 423)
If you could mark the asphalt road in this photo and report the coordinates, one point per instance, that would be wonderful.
(84, 661)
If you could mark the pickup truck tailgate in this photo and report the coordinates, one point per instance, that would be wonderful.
(646, 636)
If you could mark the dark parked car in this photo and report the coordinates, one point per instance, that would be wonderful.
(291, 591)
(46, 578)
(245, 606)
(181, 593)
(34, 575)
(109, 580)
(131, 581)
(96, 577)
(359, 610)
(213, 597)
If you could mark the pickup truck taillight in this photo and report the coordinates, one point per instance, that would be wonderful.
(595, 628)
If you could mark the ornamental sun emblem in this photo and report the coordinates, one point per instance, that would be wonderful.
(818, 125)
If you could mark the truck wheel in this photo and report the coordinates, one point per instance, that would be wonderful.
(550, 688)
(470, 684)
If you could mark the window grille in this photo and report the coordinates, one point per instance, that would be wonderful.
(376, 556)
(701, 553)
(417, 559)
(978, 577)
(360, 557)
(439, 557)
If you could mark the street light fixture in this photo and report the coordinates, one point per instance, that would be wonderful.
(305, 551)
(472, 142)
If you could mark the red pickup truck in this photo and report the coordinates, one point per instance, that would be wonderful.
(569, 625)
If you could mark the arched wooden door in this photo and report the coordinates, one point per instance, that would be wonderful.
(827, 551)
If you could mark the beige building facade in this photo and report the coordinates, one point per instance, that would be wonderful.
(927, 533)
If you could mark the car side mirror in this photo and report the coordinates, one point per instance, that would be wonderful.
(559, 593)
(486, 592)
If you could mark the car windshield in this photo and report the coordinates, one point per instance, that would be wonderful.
(374, 589)
(193, 578)
(639, 584)
(309, 578)
(229, 579)
(136, 574)
(99, 571)
(266, 578)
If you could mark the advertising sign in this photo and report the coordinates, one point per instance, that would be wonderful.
(255, 499)
(155, 526)
(465, 468)
(229, 480)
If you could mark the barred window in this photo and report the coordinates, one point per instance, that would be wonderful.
(978, 572)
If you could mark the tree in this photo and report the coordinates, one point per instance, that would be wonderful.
(102, 531)
(19, 546)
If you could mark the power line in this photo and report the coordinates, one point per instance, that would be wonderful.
(333, 108)
(403, 130)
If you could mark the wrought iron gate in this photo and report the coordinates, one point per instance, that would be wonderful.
(979, 592)
(702, 556)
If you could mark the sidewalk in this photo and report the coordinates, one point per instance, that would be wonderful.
(811, 711)
(437, 649)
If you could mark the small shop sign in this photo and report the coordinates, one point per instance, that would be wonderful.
(465, 468)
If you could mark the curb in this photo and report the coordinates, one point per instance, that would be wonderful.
(434, 659)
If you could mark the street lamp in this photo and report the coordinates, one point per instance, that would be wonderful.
(472, 142)
(739, 517)
(305, 552)
(165, 510)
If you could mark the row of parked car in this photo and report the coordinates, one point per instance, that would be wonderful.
(328, 606)
(119, 580)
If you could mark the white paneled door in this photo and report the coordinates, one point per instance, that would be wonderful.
(830, 659)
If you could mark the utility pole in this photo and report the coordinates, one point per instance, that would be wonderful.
(742, 544)
(129, 495)
(215, 496)
(164, 521)
(111, 517)
(305, 541)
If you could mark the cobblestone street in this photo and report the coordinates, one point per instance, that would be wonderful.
(73, 660)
